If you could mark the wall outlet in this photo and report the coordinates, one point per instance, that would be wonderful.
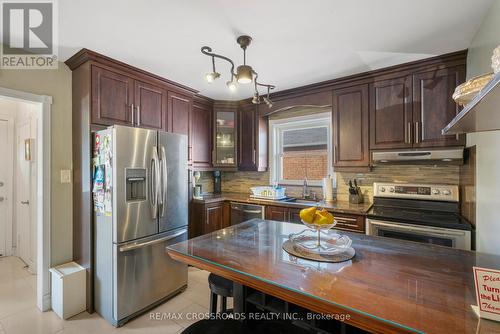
(65, 175)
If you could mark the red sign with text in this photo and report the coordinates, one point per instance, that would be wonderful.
(488, 292)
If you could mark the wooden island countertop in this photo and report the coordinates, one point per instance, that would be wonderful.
(390, 286)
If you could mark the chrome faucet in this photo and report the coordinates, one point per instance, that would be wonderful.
(305, 190)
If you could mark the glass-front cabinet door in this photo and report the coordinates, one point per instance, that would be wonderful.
(225, 139)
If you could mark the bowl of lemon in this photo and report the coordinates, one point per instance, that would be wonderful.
(319, 241)
(317, 218)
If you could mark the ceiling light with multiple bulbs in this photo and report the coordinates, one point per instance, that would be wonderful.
(244, 74)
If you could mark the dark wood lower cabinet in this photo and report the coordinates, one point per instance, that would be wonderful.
(208, 217)
(278, 213)
(347, 222)
(293, 215)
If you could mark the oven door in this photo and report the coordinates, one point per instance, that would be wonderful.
(425, 234)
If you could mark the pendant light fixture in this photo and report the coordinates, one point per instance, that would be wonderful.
(244, 74)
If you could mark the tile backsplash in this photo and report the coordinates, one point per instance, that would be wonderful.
(241, 182)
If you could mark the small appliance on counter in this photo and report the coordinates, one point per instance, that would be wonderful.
(197, 188)
(426, 213)
(217, 182)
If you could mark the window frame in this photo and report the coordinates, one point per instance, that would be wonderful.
(276, 129)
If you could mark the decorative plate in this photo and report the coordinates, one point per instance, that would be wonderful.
(465, 92)
(495, 60)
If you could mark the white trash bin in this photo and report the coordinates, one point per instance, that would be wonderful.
(68, 289)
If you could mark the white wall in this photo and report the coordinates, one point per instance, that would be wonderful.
(55, 83)
(488, 143)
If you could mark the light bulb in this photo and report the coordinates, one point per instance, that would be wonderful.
(232, 85)
(212, 76)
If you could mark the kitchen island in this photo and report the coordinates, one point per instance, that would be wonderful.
(390, 286)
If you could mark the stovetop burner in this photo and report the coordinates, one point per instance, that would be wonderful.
(418, 204)
(419, 217)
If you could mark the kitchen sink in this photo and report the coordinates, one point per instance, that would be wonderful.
(304, 201)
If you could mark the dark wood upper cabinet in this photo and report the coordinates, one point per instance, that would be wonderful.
(151, 106)
(350, 127)
(225, 135)
(179, 117)
(433, 106)
(252, 139)
(112, 97)
(391, 114)
(201, 136)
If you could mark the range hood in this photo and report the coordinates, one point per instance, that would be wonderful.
(453, 156)
(480, 114)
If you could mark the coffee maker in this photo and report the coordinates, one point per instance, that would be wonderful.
(217, 182)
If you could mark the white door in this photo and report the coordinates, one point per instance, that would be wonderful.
(25, 231)
(6, 164)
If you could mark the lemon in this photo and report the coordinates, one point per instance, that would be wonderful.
(308, 214)
(323, 217)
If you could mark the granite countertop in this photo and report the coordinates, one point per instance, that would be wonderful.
(336, 206)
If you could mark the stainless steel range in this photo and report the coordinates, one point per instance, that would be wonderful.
(419, 212)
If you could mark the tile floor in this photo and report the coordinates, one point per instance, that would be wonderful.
(19, 314)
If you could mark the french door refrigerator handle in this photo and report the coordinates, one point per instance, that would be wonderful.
(164, 183)
(152, 242)
(153, 189)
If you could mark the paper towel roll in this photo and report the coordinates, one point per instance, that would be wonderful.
(328, 189)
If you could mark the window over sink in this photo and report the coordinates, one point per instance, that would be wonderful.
(300, 148)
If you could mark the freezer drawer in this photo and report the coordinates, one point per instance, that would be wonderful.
(146, 274)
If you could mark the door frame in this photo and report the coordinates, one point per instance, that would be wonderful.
(43, 209)
(10, 172)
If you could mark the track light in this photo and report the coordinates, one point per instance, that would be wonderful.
(256, 98)
(268, 102)
(243, 74)
(212, 76)
(232, 85)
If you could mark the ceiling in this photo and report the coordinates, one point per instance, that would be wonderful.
(294, 42)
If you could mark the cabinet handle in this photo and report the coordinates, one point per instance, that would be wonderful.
(346, 219)
(253, 156)
(408, 133)
(417, 139)
(349, 225)
(138, 116)
(335, 154)
(133, 113)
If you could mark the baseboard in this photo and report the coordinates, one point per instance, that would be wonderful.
(46, 303)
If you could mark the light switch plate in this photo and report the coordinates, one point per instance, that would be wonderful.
(65, 175)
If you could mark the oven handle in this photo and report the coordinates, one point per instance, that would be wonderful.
(412, 228)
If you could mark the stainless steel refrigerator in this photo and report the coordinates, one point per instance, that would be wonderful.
(140, 190)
